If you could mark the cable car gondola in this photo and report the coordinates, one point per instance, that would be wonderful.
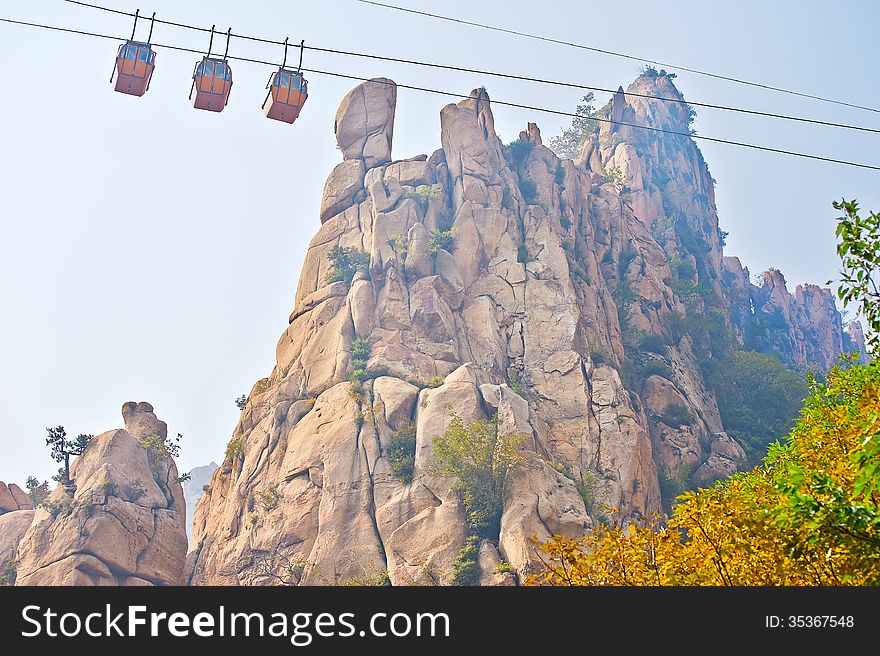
(135, 62)
(212, 79)
(288, 91)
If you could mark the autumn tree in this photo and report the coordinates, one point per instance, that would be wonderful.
(809, 515)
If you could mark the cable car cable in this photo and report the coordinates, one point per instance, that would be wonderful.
(521, 78)
(622, 55)
(730, 142)
(574, 85)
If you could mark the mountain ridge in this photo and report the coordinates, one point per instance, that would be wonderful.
(576, 300)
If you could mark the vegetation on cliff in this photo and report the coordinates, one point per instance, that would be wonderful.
(474, 281)
(569, 143)
(808, 515)
(759, 398)
(479, 458)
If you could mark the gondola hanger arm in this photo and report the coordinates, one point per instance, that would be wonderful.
(152, 22)
(211, 41)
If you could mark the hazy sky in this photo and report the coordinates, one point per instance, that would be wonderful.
(145, 254)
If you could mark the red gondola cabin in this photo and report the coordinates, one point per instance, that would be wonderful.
(135, 62)
(212, 82)
(288, 91)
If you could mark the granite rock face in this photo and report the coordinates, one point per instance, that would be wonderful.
(13, 526)
(365, 122)
(121, 522)
(13, 498)
(551, 293)
(804, 329)
(854, 340)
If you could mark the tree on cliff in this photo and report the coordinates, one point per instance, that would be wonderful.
(36, 490)
(568, 144)
(62, 448)
(479, 458)
(345, 263)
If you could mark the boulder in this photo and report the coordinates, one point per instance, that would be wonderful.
(538, 502)
(411, 172)
(125, 519)
(7, 501)
(365, 122)
(141, 421)
(473, 150)
(493, 571)
(22, 500)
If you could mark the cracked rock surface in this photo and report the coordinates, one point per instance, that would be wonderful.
(519, 317)
(123, 525)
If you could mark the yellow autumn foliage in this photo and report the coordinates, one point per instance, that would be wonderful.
(809, 515)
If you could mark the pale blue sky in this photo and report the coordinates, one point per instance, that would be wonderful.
(144, 255)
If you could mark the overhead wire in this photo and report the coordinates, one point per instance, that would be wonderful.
(509, 76)
(620, 54)
(176, 24)
(465, 95)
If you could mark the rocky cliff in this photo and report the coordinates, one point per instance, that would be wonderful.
(120, 522)
(854, 340)
(576, 300)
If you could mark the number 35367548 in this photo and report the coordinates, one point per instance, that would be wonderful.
(809, 621)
